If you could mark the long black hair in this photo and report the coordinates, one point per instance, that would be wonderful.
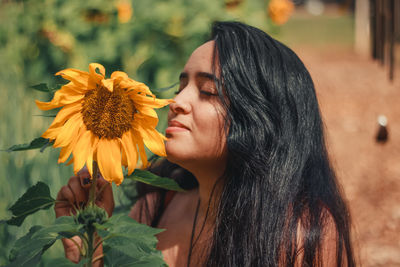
(278, 179)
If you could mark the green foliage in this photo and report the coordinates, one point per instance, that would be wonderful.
(44, 88)
(63, 262)
(36, 198)
(90, 215)
(154, 180)
(36, 143)
(27, 251)
(125, 242)
(129, 243)
(41, 37)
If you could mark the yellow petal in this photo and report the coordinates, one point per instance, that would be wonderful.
(144, 119)
(145, 110)
(108, 83)
(65, 113)
(153, 140)
(130, 151)
(70, 161)
(76, 89)
(149, 101)
(89, 161)
(109, 160)
(67, 150)
(119, 75)
(124, 159)
(69, 130)
(82, 149)
(89, 164)
(80, 78)
(51, 133)
(64, 153)
(142, 151)
(62, 97)
(134, 86)
(92, 70)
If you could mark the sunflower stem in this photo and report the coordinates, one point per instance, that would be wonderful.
(92, 191)
(90, 229)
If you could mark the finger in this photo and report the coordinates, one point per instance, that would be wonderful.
(65, 194)
(105, 195)
(65, 202)
(102, 183)
(84, 172)
(84, 178)
(80, 194)
(70, 248)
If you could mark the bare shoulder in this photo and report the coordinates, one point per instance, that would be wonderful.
(144, 209)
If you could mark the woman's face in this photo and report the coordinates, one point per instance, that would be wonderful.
(195, 121)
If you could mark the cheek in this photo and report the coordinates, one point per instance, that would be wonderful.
(211, 134)
(206, 141)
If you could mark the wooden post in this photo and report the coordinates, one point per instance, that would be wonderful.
(392, 37)
(362, 28)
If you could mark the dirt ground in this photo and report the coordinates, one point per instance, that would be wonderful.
(353, 92)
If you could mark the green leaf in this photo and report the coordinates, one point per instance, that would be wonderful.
(62, 226)
(129, 243)
(44, 88)
(36, 143)
(35, 198)
(27, 250)
(124, 224)
(47, 116)
(40, 87)
(62, 262)
(115, 258)
(154, 180)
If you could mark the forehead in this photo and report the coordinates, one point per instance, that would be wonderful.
(201, 59)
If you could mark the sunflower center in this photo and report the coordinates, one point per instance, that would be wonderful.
(107, 114)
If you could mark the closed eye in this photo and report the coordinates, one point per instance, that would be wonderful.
(208, 93)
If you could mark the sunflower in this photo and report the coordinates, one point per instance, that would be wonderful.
(280, 10)
(106, 120)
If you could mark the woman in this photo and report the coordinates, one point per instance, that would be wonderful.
(245, 137)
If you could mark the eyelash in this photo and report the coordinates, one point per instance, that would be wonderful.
(207, 93)
(201, 92)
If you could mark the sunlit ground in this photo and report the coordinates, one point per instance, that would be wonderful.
(353, 92)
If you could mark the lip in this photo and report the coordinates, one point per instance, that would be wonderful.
(176, 126)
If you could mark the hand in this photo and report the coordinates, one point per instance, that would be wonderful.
(75, 195)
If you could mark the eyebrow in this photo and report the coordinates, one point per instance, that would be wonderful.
(207, 75)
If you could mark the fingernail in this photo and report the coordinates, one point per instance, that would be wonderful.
(86, 181)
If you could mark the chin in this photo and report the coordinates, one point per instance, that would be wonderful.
(176, 158)
(179, 157)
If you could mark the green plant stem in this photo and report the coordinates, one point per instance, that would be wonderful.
(85, 242)
(98, 258)
(92, 191)
(90, 252)
(79, 247)
(101, 241)
(90, 229)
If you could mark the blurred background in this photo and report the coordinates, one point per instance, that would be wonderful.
(351, 48)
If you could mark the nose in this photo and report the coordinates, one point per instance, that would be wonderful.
(181, 104)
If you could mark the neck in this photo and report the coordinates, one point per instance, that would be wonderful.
(210, 187)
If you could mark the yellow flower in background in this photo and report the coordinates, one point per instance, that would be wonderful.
(125, 11)
(106, 120)
(280, 10)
